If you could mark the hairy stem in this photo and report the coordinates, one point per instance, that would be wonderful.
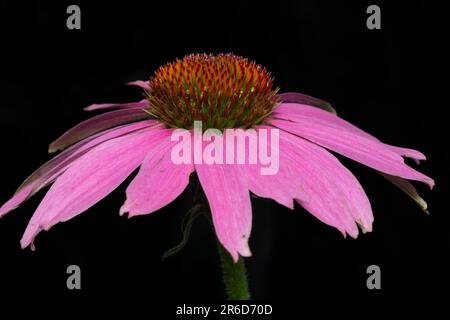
(234, 276)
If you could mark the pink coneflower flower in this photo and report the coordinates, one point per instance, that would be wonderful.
(223, 91)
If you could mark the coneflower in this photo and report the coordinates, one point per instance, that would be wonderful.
(223, 92)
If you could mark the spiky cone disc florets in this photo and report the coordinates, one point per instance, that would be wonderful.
(222, 91)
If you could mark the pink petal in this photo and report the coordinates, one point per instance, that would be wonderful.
(138, 104)
(281, 187)
(90, 178)
(334, 195)
(300, 113)
(96, 124)
(304, 99)
(230, 205)
(49, 171)
(19, 197)
(158, 182)
(139, 83)
(366, 151)
(408, 153)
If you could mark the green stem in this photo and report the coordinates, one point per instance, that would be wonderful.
(234, 276)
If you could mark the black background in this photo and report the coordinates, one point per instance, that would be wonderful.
(391, 82)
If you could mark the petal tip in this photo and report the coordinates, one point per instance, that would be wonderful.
(364, 225)
(90, 107)
(3, 212)
(139, 83)
(52, 149)
(123, 210)
(24, 243)
(244, 251)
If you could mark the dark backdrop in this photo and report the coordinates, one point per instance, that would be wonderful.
(391, 82)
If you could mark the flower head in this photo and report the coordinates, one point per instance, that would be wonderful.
(223, 91)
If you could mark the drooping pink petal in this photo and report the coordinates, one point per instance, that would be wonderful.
(90, 178)
(300, 113)
(231, 210)
(304, 99)
(408, 153)
(407, 188)
(96, 124)
(138, 104)
(294, 112)
(333, 194)
(19, 197)
(369, 152)
(139, 83)
(281, 186)
(158, 182)
(49, 171)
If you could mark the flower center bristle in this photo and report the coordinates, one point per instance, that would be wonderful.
(222, 91)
